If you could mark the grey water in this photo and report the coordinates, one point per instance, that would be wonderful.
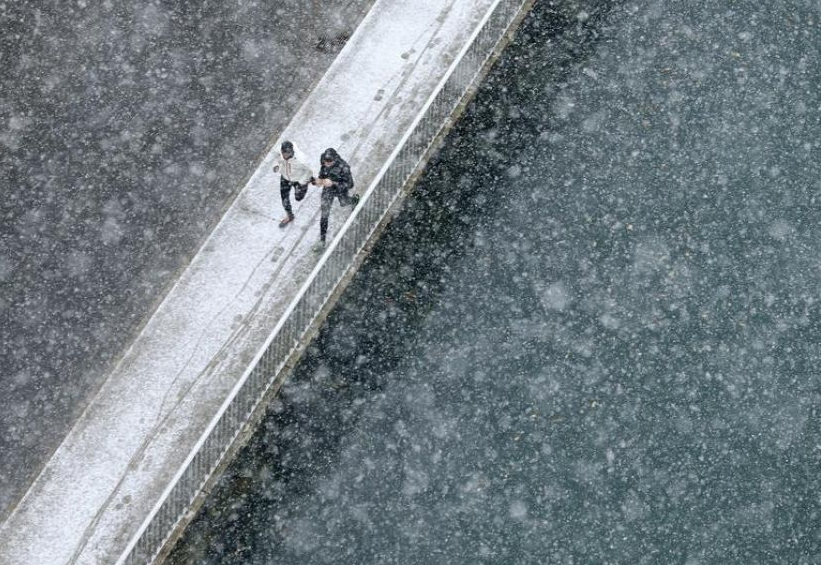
(125, 130)
(592, 336)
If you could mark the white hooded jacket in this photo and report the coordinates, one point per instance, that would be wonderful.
(294, 169)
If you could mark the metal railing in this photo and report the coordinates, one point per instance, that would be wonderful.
(332, 267)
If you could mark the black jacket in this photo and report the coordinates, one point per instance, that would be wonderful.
(339, 172)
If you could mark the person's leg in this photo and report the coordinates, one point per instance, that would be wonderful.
(284, 192)
(325, 208)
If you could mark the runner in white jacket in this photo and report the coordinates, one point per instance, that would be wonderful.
(293, 172)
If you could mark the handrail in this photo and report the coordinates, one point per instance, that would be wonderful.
(335, 263)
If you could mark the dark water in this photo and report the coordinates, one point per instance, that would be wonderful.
(125, 128)
(592, 336)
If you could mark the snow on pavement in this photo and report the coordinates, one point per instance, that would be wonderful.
(112, 467)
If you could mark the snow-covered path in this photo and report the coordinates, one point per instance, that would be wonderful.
(110, 470)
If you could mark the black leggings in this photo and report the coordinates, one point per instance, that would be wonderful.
(328, 195)
(285, 192)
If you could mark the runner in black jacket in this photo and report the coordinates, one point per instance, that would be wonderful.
(336, 180)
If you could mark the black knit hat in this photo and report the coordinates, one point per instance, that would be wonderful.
(287, 147)
(330, 154)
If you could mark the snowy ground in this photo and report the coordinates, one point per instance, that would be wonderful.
(112, 177)
(110, 469)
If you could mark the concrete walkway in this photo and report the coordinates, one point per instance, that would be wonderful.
(83, 269)
(112, 467)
